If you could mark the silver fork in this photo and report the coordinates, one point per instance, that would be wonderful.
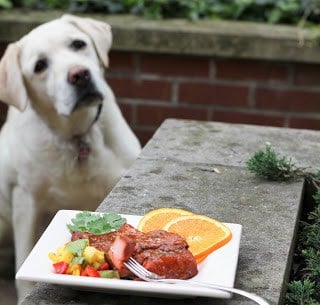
(149, 276)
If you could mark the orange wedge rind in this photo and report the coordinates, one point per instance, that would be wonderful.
(202, 233)
(157, 219)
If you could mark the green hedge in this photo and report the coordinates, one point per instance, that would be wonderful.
(272, 11)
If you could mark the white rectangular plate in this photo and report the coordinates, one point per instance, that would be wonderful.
(218, 268)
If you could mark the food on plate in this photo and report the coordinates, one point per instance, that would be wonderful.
(159, 251)
(99, 255)
(203, 234)
(168, 241)
(157, 219)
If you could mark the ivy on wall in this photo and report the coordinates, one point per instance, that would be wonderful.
(272, 11)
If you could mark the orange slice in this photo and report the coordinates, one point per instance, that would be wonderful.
(157, 219)
(203, 234)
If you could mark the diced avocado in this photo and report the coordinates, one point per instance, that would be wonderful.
(78, 260)
(109, 274)
(76, 247)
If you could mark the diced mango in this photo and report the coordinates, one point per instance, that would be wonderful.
(62, 255)
(92, 255)
(60, 249)
(96, 265)
(66, 256)
(74, 269)
(53, 257)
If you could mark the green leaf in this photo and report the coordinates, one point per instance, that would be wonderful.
(96, 223)
(275, 15)
(5, 4)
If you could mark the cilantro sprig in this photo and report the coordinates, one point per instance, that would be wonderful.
(96, 223)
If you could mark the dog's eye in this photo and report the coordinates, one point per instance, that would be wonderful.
(78, 44)
(41, 65)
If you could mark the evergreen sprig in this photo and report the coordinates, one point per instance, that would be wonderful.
(307, 290)
(301, 292)
(267, 164)
(312, 259)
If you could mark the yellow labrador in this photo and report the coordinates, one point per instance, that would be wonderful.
(65, 143)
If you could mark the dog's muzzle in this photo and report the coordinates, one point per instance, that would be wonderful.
(86, 92)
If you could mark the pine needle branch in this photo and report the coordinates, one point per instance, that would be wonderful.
(267, 164)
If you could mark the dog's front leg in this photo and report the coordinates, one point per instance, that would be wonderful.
(25, 220)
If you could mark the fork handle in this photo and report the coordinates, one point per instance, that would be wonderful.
(252, 296)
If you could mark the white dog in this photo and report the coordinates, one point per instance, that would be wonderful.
(65, 143)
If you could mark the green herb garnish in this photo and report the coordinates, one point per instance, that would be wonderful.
(96, 223)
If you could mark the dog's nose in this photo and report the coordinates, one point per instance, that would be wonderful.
(78, 75)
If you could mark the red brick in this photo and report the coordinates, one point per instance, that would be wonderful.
(304, 123)
(144, 135)
(307, 75)
(174, 65)
(214, 94)
(251, 70)
(121, 61)
(288, 100)
(127, 111)
(141, 89)
(154, 114)
(248, 118)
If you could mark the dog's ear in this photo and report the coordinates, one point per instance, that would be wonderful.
(99, 32)
(12, 88)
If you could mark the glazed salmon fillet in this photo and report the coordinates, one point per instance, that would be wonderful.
(159, 251)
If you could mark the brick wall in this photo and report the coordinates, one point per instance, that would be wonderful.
(153, 87)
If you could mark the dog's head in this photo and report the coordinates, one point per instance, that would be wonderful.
(59, 66)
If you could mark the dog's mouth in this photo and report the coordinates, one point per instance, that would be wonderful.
(88, 97)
